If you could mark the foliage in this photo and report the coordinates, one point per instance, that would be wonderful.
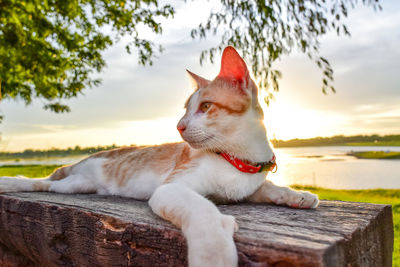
(378, 196)
(49, 49)
(266, 30)
(340, 140)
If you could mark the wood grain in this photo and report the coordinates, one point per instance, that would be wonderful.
(47, 229)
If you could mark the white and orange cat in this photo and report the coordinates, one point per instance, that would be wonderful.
(226, 157)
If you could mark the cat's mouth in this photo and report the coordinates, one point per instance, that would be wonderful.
(198, 143)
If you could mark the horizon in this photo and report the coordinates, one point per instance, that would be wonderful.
(147, 102)
(133, 144)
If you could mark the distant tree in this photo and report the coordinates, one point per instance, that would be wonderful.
(50, 48)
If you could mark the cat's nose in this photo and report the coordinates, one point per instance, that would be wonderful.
(181, 128)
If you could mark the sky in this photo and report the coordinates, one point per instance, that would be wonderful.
(142, 105)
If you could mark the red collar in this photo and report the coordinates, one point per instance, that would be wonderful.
(258, 167)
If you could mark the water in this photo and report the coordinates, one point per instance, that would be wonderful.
(330, 167)
(327, 167)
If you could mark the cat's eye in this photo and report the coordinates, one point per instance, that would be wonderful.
(205, 106)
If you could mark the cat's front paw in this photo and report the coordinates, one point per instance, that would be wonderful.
(211, 243)
(229, 224)
(304, 200)
(295, 199)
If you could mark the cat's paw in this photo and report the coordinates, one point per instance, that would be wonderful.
(213, 249)
(304, 200)
(229, 224)
(211, 243)
(295, 199)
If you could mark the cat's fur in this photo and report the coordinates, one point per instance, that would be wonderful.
(222, 115)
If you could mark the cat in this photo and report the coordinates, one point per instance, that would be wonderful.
(225, 156)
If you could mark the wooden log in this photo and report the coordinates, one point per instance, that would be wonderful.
(47, 229)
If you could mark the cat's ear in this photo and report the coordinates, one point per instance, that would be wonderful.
(198, 81)
(233, 67)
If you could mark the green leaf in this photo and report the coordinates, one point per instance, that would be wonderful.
(267, 30)
(50, 49)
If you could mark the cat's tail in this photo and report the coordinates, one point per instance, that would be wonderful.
(24, 184)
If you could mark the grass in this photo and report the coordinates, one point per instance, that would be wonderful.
(376, 155)
(379, 196)
(31, 171)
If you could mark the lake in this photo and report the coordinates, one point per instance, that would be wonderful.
(327, 167)
(330, 167)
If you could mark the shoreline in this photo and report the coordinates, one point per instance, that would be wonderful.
(346, 144)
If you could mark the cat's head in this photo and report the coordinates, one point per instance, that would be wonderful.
(224, 114)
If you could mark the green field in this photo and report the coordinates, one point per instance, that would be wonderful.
(379, 196)
(31, 171)
(376, 155)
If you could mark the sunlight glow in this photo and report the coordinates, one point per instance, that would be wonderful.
(286, 120)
